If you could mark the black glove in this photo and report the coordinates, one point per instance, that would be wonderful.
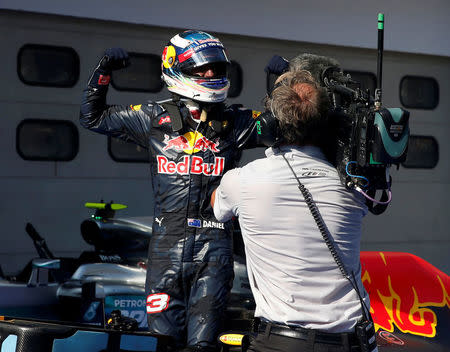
(277, 65)
(114, 59)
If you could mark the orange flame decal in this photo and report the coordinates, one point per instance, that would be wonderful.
(402, 289)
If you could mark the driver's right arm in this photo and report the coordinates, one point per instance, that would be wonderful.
(129, 123)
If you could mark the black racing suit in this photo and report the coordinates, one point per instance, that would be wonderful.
(190, 266)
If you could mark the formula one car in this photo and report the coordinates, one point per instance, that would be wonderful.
(97, 302)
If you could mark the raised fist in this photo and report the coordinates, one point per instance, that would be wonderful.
(277, 65)
(114, 59)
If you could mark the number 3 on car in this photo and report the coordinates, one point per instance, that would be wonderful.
(157, 302)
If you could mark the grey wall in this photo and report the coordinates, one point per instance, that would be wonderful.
(414, 26)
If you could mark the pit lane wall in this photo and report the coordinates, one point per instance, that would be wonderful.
(51, 194)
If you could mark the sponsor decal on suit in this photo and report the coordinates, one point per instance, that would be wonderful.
(205, 224)
(190, 143)
(194, 166)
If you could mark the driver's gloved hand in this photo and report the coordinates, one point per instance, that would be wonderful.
(114, 59)
(277, 65)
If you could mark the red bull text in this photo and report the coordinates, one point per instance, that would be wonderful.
(403, 288)
(194, 165)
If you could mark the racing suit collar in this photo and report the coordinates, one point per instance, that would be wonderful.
(190, 111)
(194, 109)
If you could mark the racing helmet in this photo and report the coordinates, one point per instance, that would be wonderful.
(186, 52)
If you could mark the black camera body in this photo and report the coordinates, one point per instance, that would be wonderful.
(369, 138)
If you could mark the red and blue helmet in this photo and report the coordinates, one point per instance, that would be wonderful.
(188, 51)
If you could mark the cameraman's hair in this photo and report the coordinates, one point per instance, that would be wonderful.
(301, 107)
(315, 64)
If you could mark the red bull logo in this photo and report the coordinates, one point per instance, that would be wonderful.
(203, 144)
(403, 288)
(194, 165)
(179, 143)
(190, 143)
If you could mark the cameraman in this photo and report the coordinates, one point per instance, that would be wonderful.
(316, 65)
(303, 303)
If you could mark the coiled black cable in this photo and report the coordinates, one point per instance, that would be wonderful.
(327, 238)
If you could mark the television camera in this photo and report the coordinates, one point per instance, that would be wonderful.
(369, 138)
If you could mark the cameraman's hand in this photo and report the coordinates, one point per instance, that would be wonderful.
(277, 65)
(114, 59)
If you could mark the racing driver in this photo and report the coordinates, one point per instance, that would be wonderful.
(193, 139)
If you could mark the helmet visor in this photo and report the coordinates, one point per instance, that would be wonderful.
(219, 69)
(191, 59)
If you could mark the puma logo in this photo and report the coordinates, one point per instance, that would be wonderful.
(159, 221)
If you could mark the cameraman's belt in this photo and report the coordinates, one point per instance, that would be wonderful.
(302, 334)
